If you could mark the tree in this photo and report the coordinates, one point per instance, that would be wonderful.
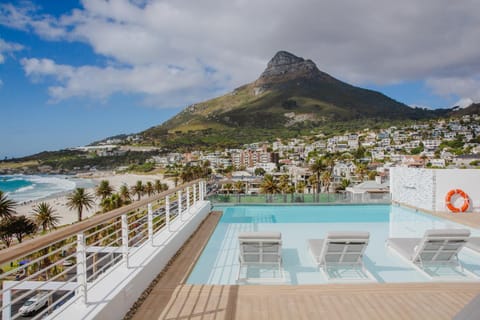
(138, 190)
(300, 187)
(317, 168)
(104, 189)
(259, 171)
(269, 186)
(45, 216)
(228, 187)
(20, 226)
(326, 180)
(343, 184)
(149, 189)
(158, 186)
(79, 200)
(313, 180)
(5, 232)
(6, 206)
(284, 185)
(239, 186)
(111, 203)
(124, 193)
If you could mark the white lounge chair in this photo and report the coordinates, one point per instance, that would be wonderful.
(437, 247)
(260, 249)
(340, 250)
(473, 243)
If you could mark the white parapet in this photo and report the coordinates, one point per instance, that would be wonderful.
(427, 188)
(111, 296)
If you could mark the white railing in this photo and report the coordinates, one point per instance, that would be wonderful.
(69, 262)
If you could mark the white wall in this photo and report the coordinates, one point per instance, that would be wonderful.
(427, 188)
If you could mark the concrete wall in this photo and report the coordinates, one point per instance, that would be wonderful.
(427, 188)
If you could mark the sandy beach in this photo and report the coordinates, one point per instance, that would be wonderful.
(67, 216)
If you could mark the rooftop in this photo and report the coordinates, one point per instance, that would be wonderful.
(171, 298)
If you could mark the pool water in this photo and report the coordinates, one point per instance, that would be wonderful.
(219, 264)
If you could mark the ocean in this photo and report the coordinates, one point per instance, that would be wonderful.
(23, 188)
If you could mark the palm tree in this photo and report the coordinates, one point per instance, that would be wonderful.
(113, 202)
(361, 171)
(138, 189)
(284, 185)
(158, 186)
(239, 186)
(344, 184)
(79, 199)
(301, 187)
(313, 182)
(326, 180)
(149, 189)
(228, 187)
(45, 216)
(317, 168)
(124, 193)
(269, 186)
(6, 206)
(104, 189)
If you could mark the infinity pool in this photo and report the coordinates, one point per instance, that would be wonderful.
(219, 262)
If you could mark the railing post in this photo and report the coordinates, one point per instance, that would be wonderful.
(194, 193)
(150, 222)
(179, 202)
(7, 303)
(167, 212)
(188, 199)
(81, 267)
(202, 191)
(125, 239)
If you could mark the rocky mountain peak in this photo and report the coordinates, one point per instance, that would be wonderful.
(286, 66)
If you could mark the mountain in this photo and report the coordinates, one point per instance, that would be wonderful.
(290, 96)
(474, 108)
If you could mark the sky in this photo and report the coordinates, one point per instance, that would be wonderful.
(72, 72)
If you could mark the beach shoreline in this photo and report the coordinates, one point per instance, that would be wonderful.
(58, 201)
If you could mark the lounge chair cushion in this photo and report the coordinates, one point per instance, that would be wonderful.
(405, 246)
(447, 233)
(260, 235)
(473, 243)
(360, 235)
(315, 246)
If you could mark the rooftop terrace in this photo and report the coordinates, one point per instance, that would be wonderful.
(171, 298)
(116, 255)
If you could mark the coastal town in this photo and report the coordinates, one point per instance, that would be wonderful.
(351, 159)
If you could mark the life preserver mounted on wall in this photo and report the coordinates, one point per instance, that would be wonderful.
(461, 193)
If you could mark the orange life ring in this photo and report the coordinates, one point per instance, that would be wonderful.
(461, 193)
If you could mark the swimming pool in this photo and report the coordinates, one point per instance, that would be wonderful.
(219, 264)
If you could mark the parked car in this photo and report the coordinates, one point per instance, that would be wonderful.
(34, 304)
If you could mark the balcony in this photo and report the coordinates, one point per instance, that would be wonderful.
(99, 267)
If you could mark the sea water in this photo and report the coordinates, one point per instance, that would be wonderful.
(24, 188)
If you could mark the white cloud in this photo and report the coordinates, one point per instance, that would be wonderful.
(383, 41)
(466, 88)
(463, 103)
(151, 80)
(8, 48)
(25, 17)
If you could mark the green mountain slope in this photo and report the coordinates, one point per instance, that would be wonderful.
(289, 98)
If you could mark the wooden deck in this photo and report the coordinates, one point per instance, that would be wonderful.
(171, 298)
